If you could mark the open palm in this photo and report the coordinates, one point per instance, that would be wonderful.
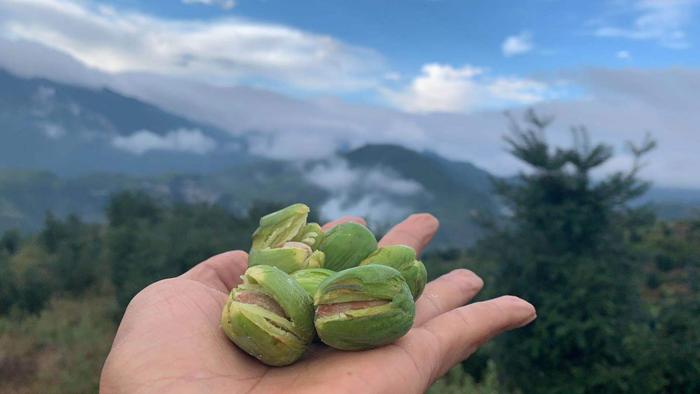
(170, 340)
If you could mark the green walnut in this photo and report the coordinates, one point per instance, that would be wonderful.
(269, 316)
(279, 227)
(311, 278)
(346, 245)
(363, 307)
(290, 257)
(403, 259)
(311, 234)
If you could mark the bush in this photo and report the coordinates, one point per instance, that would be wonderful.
(144, 247)
(457, 381)
(60, 350)
(653, 281)
(664, 262)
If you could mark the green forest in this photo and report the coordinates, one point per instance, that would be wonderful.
(616, 289)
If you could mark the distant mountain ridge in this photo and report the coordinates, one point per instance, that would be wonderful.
(70, 130)
(122, 114)
(26, 196)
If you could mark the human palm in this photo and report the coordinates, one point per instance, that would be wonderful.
(170, 340)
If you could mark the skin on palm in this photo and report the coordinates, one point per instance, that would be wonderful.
(170, 339)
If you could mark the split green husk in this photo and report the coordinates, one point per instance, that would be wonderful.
(363, 307)
(279, 227)
(290, 257)
(403, 259)
(311, 278)
(303, 282)
(270, 316)
(346, 245)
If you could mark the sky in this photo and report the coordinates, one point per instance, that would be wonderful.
(429, 74)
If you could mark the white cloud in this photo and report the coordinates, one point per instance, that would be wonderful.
(663, 21)
(624, 55)
(440, 88)
(225, 4)
(517, 90)
(336, 175)
(376, 194)
(181, 140)
(392, 76)
(379, 211)
(222, 50)
(52, 131)
(20, 58)
(517, 44)
(443, 88)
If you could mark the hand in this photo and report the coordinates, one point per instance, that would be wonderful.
(170, 340)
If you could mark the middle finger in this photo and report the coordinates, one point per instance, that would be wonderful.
(445, 293)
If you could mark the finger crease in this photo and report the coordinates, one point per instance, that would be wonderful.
(260, 379)
(473, 346)
(416, 367)
(435, 365)
(433, 303)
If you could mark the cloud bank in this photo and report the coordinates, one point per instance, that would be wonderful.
(443, 88)
(618, 105)
(663, 21)
(225, 50)
(224, 4)
(181, 140)
(377, 194)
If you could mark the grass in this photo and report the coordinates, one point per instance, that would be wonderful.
(60, 350)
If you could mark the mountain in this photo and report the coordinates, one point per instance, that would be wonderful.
(434, 172)
(451, 190)
(26, 196)
(673, 203)
(66, 149)
(71, 130)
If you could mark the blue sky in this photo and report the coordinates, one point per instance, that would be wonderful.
(414, 32)
(430, 74)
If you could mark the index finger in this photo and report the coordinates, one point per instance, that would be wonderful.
(416, 231)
